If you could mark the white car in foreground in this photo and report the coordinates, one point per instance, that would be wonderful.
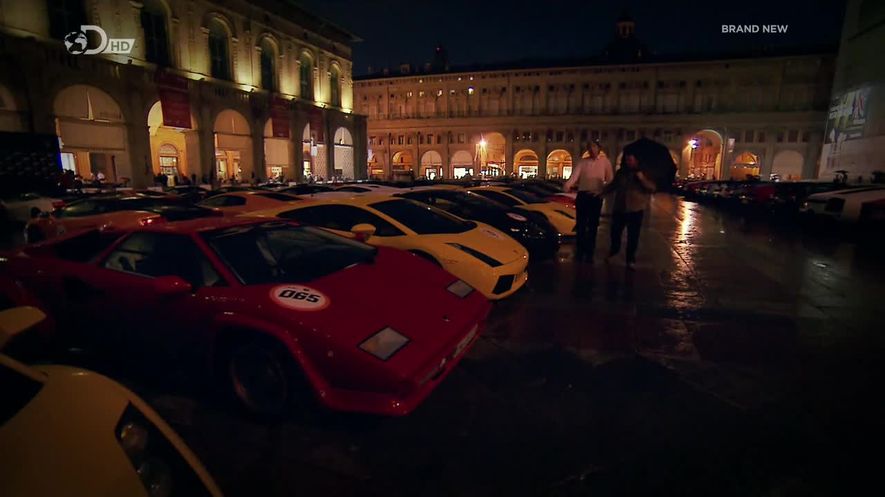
(841, 205)
(18, 207)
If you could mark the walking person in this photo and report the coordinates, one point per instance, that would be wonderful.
(589, 177)
(632, 191)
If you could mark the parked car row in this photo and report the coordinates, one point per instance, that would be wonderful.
(287, 298)
(810, 199)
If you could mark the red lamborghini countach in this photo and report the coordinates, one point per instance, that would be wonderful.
(276, 310)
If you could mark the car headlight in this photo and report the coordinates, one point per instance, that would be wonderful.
(157, 462)
(460, 288)
(517, 217)
(384, 344)
(476, 253)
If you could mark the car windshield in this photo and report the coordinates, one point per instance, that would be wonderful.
(422, 219)
(474, 200)
(529, 198)
(284, 253)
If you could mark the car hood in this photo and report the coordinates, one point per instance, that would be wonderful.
(397, 290)
(486, 239)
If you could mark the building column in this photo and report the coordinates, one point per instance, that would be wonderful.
(258, 162)
(329, 140)
(811, 168)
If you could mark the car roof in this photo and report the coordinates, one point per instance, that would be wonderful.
(201, 224)
(358, 200)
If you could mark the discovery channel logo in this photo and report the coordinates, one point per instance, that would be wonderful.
(77, 43)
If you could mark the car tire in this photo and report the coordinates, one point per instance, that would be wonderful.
(262, 377)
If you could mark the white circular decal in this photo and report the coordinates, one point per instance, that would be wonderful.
(491, 233)
(299, 297)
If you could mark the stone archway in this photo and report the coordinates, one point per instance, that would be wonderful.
(462, 164)
(559, 164)
(92, 132)
(744, 164)
(344, 154)
(431, 165)
(278, 153)
(376, 166)
(703, 155)
(787, 165)
(525, 163)
(233, 147)
(186, 142)
(491, 151)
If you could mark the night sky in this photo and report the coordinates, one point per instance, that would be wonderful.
(498, 31)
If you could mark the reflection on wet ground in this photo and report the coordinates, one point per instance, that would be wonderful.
(739, 359)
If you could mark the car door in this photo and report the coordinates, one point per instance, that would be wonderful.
(124, 293)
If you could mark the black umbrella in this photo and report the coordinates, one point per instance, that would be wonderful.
(654, 160)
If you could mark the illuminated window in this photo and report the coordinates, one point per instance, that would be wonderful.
(156, 41)
(219, 50)
(268, 65)
(335, 85)
(305, 74)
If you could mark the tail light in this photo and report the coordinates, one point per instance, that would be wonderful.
(150, 221)
(58, 204)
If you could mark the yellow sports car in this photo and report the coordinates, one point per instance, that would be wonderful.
(562, 218)
(478, 254)
(66, 431)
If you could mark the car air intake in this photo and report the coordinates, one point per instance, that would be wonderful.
(835, 205)
(504, 283)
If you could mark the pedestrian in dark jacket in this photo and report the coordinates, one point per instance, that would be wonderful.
(632, 192)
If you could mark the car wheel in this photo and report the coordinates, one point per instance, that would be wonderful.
(260, 376)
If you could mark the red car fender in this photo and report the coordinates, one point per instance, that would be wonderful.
(276, 332)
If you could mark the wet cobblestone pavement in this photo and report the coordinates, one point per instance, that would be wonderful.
(738, 359)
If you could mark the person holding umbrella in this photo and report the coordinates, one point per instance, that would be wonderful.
(589, 177)
(632, 191)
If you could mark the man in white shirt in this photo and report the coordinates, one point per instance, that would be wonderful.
(589, 177)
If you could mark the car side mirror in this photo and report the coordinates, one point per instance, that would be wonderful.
(170, 286)
(363, 231)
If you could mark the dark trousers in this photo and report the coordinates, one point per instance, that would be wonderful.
(587, 207)
(632, 221)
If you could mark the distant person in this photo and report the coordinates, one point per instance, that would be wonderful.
(589, 177)
(632, 191)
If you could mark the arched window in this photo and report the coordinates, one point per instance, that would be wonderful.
(156, 41)
(306, 76)
(219, 50)
(65, 16)
(335, 86)
(268, 65)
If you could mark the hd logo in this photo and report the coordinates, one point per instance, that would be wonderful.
(77, 43)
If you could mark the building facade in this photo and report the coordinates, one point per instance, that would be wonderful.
(720, 118)
(855, 135)
(210, 89)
